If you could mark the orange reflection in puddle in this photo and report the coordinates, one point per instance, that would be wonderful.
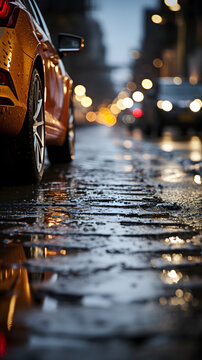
(15, 282)
(174, 240)
(55, 218)
(181, 298)
(179, 258)
(171, 276)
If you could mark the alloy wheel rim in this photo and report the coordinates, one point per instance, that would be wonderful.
(38, 126)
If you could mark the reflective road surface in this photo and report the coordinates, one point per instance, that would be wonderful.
(103, 259)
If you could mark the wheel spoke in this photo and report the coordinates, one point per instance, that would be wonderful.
(39, 140)
(38, 109)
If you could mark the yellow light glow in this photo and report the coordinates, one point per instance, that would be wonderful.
(86, 102)
(195, 148)
(120, 104)
(171, 2)
(156, 19)
(159, 104)
(197, 179)
(138, 96)
(171, 276)
(11, 312)
(114, 109)
(91, 116)
(177, 80)
(105, 117)
(167, 105)
(176, 7)
(79, 98)
(147, 84)
(128, 102)
(174, 240)
(80, 90)
(158, 63)
(193, 79)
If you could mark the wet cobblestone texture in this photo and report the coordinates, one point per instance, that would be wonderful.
(103, 259)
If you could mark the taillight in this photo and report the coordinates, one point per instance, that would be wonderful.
(4, 8)
(8, 13)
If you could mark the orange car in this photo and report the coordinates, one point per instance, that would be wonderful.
(35, 92)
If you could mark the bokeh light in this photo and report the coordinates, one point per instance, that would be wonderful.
(147, 84)
(176, 7)
(91, 116)
(158, 63)
(195, 105)
(80, 90)
(127, 102)
(157, 19)
(177, 80)
(171, 2)
(120, 104)
(166, 105)
(131, 86)
(138, 112)
(138, 96)
(86, 102)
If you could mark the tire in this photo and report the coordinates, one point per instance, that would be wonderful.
(24, 161)
(64, 153)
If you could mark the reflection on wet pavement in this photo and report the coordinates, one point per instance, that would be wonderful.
(109, 246)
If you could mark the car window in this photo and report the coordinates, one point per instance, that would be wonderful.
(31, 10)
(41, 19)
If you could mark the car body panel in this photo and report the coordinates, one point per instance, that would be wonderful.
(22, 47)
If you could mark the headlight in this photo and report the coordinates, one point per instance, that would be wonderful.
(195, 105)
(166, 105)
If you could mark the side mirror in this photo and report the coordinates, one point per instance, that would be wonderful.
(68, 43)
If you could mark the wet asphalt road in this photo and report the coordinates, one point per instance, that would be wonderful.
(103, 259)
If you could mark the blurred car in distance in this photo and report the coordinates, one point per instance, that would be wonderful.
(174, 102)
(35, 92)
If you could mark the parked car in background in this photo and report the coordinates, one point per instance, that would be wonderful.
(173, 102)
(35, 92)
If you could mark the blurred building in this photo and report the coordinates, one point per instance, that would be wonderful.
(172, 43)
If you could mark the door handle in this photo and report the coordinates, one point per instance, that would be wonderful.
(39, 35)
